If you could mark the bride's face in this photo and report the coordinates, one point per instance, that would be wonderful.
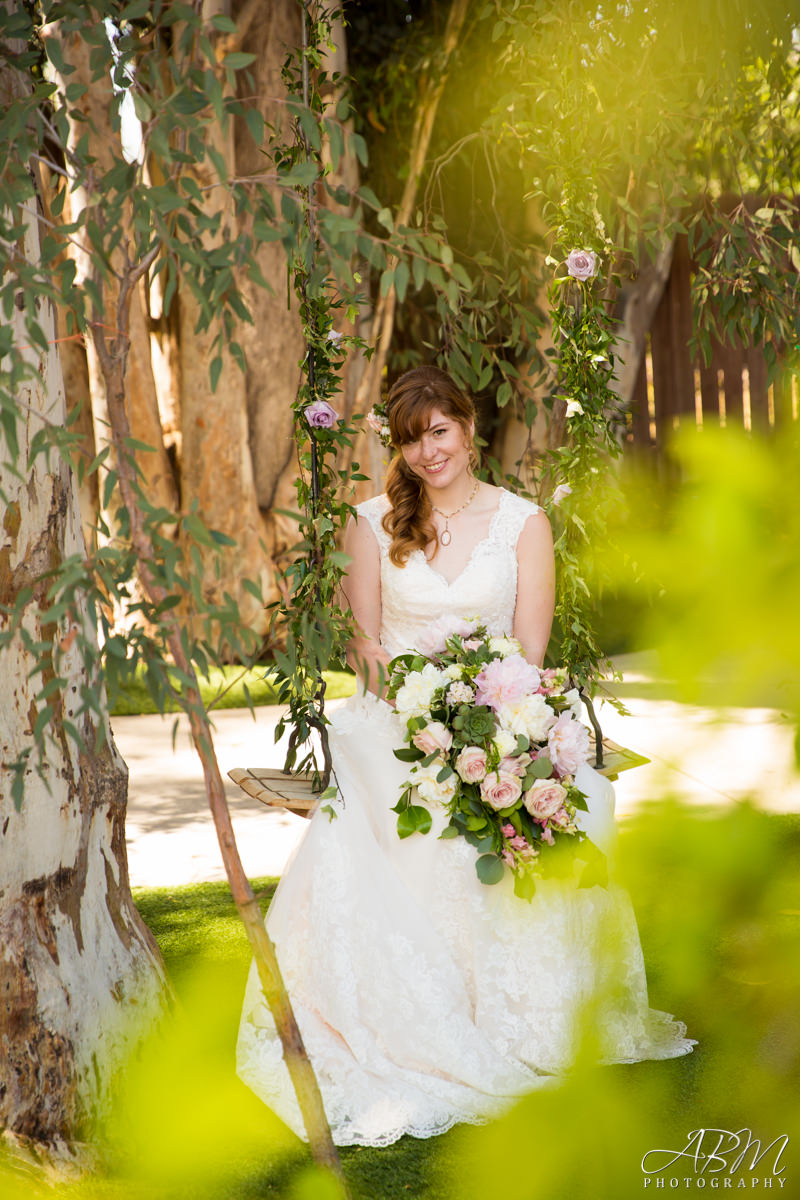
(440, 456)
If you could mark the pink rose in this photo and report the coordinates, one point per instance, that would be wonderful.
(544, 798)
(581, 264)
(433, 738)
(553, 680)
(568, 744)
(320, 415)
(505, 680)
(471, 764)
(515, 766)
(561, 819)
(500, 789)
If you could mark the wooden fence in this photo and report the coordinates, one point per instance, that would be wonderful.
(671, 388)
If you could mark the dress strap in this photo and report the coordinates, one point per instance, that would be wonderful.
(374, 511)
(510, 518)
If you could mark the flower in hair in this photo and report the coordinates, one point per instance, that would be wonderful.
(378, 422)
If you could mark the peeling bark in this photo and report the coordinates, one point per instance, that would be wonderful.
(80, 976)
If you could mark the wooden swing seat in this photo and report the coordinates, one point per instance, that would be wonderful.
(295, 794)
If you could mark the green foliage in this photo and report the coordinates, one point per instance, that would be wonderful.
(610, 129)
(224, 687)
(720, 555)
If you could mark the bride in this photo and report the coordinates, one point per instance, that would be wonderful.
(425, 997)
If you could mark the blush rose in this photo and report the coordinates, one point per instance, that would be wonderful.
(544, 799)
(434, 737)
(501, 789)
(471, 764)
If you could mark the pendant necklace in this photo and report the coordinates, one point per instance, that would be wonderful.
(446, 537)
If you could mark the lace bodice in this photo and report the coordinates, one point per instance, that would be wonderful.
(415, 596)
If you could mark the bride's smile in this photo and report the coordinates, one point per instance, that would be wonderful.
(440, 456)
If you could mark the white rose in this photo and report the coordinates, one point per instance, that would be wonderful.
(504, 646)
(531, 715)
(505, 742)
(429, 788)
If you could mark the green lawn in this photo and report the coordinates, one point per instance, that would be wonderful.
(207, 956)
(717, 899)
(226, 687)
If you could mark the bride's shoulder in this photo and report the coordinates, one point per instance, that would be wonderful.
(373, 511)
(374, 508)
(519, 506)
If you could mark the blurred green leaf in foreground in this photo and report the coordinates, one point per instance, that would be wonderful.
(724, 548)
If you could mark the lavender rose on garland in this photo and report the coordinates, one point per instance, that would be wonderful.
(497, 742)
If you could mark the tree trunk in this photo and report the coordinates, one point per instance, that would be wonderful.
(642, 298)
(96, 106)
(274, 343)
(217, 468)
(80, 975)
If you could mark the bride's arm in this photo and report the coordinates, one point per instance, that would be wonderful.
(361, 588)
(533, 615)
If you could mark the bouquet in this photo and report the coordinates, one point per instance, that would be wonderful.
(497, 742)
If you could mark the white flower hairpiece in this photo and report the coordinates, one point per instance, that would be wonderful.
(378, 422)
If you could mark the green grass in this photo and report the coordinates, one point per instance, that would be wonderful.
(717, 900)
(226, 687)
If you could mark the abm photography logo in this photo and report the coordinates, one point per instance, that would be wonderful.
(719, 1159)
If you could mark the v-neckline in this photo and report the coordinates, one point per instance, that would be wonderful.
(449, 583)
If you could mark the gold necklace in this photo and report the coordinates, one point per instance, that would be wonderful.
(446, 537)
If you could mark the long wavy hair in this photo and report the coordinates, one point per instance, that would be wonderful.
(412, 399)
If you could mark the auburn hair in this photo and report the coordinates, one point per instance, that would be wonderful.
(412, 399)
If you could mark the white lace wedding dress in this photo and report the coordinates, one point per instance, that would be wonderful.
(424, 997)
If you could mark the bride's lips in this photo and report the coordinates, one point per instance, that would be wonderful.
(435, 468)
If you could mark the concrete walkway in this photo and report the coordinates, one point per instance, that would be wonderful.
(702, 756)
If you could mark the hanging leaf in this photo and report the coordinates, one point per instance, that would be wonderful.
(489, 868)
(414, 819)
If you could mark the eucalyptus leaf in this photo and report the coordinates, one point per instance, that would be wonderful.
(414, 819)
(489, 868)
